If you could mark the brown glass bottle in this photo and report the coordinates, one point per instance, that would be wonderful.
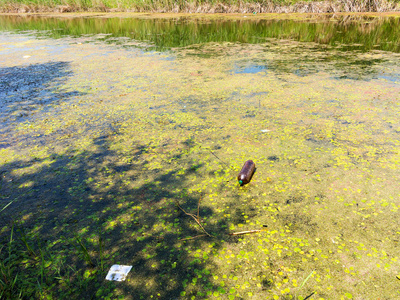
(247, 172)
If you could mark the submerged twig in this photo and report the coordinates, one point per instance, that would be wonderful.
(305, 280)
(196, 218)
(193, 237)
(6, 206)
(198, 209)
(309, 296)
(220, 159)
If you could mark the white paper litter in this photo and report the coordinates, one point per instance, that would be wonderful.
(265, 130)
(118, 272)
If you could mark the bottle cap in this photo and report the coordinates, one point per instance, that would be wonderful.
(240, 182)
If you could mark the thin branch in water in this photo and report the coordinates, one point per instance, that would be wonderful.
(198, 209)
(305, 280)
(220, 160)
(245, 232)
(193, 237)
(6, 206)
(309, 296)
(197, 219)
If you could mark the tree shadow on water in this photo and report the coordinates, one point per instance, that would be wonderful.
(25, 90)
(75, 215)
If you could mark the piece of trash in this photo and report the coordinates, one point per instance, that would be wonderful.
(247, 172)
(265, 130)
(118, 272)
(26, 56)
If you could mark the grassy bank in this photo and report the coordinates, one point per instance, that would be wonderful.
(201, 6)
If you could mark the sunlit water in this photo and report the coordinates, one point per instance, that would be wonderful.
(140, 111)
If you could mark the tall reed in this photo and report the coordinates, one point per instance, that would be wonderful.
(201, 6)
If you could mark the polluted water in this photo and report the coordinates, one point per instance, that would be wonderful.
(103, 135)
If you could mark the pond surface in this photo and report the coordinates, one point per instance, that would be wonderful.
(108, 123)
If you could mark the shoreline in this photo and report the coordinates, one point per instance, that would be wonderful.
(265, 7)
(226, 16)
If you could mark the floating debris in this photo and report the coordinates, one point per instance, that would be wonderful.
(247, 172)
(118, 272)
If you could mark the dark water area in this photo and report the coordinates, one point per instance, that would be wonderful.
(344, 33)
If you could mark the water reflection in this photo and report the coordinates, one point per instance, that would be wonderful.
(345, 33)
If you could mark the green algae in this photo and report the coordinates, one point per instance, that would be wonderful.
(129, 133)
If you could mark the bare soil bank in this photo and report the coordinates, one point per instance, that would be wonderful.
(266, 6)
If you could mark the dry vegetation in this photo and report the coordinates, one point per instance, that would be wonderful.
(198, 6)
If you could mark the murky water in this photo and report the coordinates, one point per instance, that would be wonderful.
(117, 119)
